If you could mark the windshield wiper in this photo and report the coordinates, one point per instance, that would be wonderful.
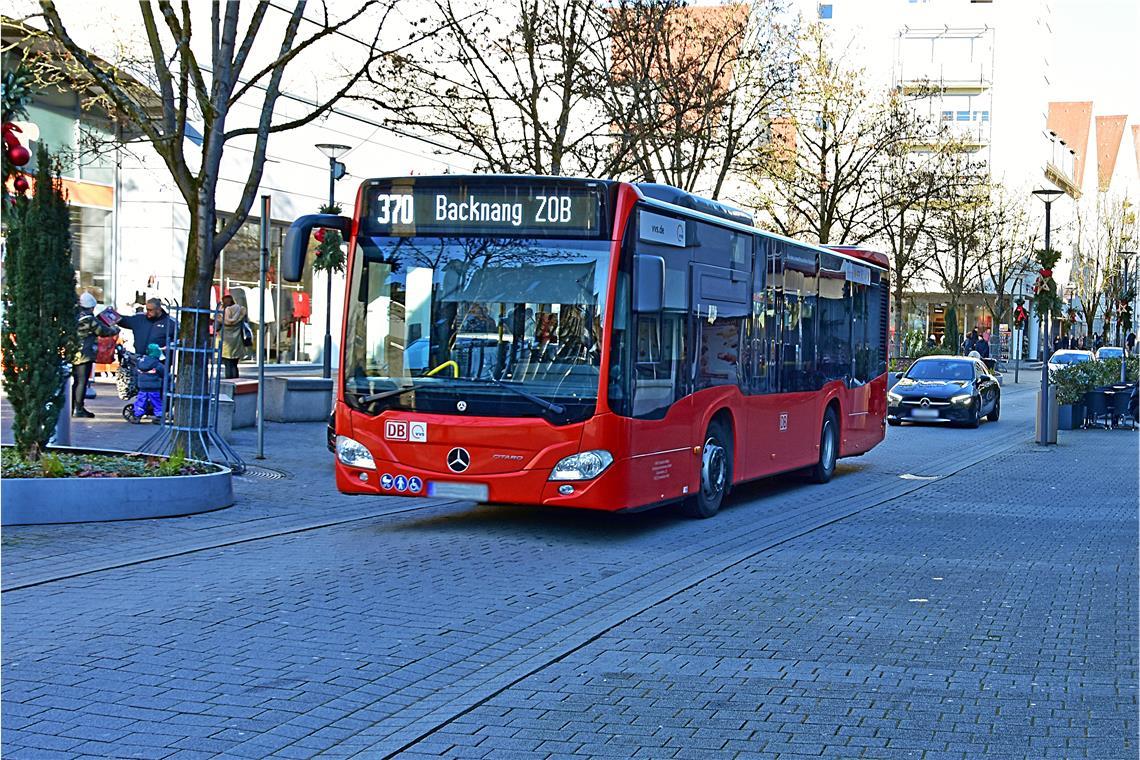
(549, 406)
(385, 394)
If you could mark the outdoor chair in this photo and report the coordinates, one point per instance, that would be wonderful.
(1096, 409)
(1121, 410)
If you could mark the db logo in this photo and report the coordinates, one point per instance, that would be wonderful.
(784, 421)
(396, 430)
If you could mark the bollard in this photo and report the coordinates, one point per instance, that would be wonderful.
(62, 434)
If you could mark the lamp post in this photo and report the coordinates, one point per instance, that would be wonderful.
(336, 171)
(1125, 256)
(1047, 196)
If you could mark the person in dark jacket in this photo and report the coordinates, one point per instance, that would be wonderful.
(154, 325)
(983, 348)
(89, 331)
(151, 375)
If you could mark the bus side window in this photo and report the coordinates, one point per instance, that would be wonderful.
(834, 321)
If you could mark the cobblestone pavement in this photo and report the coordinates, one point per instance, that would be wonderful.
(989, 611)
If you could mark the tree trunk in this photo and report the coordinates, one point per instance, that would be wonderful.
(195, 359)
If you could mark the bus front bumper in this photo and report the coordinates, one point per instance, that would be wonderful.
(606, 492)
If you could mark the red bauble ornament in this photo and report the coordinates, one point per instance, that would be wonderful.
(18, 155)
(20, 184)
(1046, 272)
(319, 235)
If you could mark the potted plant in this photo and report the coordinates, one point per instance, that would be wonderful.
(1072, 383)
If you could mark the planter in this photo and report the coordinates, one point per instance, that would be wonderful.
(1070, 416)
(39, 501)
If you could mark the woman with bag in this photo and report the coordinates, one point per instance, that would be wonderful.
(90, 329)
(231, 328)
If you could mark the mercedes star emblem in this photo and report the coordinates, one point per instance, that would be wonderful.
(458, 460)
(461, 406)
(924, 402)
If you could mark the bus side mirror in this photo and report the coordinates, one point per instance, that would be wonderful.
(297, 241)
(648, 283)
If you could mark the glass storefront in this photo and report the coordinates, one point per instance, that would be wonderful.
(91, 237)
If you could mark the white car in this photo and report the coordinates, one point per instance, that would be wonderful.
(1065, 357)
(1109, 352)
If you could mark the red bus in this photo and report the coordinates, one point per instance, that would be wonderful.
(593, 344)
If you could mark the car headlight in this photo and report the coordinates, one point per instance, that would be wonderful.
(353, 453)
(584, 466)
(893, 399)
(965, 399)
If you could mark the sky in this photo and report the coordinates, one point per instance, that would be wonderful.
(1096, 55)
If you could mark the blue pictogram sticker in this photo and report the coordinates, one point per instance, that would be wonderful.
(415, 485)
(401, 483)
(386, 482)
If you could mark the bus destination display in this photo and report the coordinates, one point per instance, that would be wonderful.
(524, 209)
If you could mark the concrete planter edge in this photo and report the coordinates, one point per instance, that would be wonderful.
(51, 501)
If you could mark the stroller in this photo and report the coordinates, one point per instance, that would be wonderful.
(127, 381)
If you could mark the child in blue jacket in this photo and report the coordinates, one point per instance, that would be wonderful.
(151, 375)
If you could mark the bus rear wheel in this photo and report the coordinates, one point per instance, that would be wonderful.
(716, 473)
(828, 449)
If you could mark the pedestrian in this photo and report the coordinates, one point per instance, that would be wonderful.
(1130, 342)
(1098, 343)
(971, 342)
(1081, 344)
(230, 326)
(89, 331)
(151, 380)
(153, 325)
(982, 347)
(1058, 344)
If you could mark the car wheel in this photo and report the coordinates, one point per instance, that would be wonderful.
(977, 417)
(716, 473)
(894, 423)
(996, 411)
(828, 449)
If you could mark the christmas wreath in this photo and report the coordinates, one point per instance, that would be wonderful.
(1046, 298)
(329, 257)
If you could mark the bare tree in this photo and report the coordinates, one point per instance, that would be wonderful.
(1105, 230)
(698, 86)
(1006, 244)
(961, 231)
(188, 88)
(518, 87)
(818, 180)
(913, 176)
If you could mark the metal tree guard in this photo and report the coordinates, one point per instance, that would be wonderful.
(203, 363)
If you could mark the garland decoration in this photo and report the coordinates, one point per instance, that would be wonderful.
(329, 256)
(1124, 310)
(1046, 298)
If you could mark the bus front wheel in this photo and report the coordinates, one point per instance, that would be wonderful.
(716, 473)
(828, 449)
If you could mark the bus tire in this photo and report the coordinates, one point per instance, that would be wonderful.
(716, 473)
(828, 449)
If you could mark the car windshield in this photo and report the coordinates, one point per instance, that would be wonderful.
(941, 370)
(1110, 353)
(479, 326)
(1069, 358)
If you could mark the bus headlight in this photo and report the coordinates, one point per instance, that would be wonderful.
(353, 453)
(963, 400)
(585, 466)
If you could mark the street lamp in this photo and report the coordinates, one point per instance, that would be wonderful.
(1125, 256)
(1047, 195)
(336, 171)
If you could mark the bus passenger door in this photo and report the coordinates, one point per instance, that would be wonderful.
(662, 462)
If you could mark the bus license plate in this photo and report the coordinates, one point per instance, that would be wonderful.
(466, 491)
(925, 414)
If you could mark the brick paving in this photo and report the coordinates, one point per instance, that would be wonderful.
(783, 627)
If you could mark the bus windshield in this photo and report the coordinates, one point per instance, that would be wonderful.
(507, 327)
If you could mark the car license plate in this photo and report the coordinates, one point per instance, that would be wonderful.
(466, 491)
(925, 414)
